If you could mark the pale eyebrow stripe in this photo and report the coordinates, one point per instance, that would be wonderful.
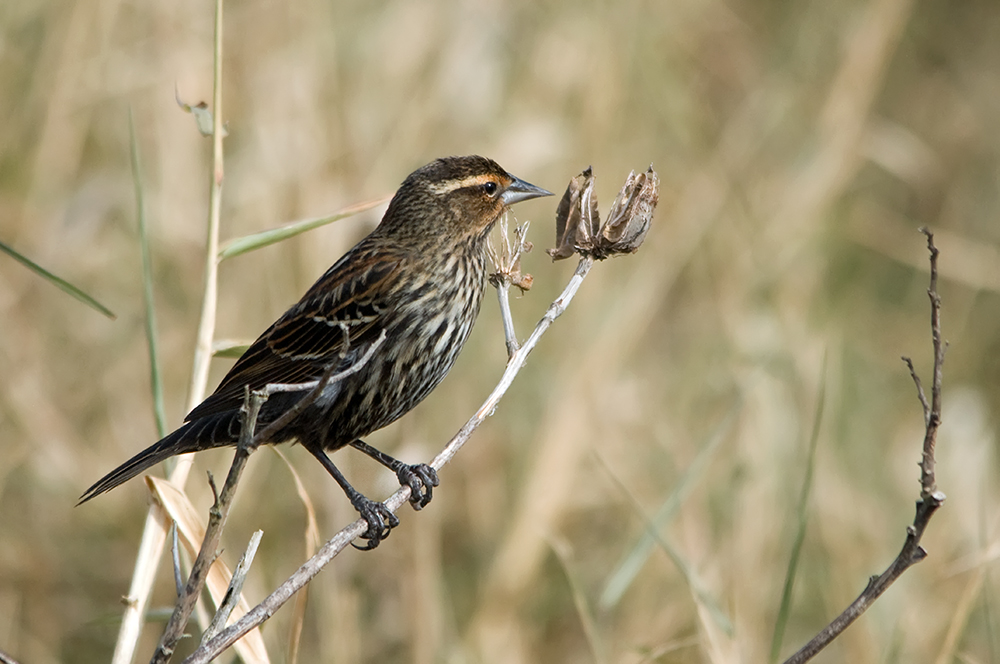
(452, 185)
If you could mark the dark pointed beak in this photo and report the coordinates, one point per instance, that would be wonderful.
(519, 190)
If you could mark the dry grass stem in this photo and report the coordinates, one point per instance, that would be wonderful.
(154, 531)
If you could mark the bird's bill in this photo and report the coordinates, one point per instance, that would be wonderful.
(519, 190)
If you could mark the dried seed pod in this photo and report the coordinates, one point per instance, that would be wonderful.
(630, 216)
(577, 218)
(578, 223)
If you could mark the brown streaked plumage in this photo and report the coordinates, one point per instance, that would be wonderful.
(419, 278)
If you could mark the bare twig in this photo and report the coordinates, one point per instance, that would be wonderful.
(920, 390)
(927, 480)
(175, 554)
(6, 659)
(510, 336)
(930, 498)
(232, 597)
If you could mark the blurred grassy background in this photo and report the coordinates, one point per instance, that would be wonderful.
(799, 146)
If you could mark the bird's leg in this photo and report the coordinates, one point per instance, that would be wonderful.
(380, 520)
(420, 477)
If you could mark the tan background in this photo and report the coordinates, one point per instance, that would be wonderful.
(799, 146)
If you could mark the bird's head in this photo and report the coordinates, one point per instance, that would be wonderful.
(455, 197)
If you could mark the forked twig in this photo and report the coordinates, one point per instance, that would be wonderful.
(930, 497)
(232, 597)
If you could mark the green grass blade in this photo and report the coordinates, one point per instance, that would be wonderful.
(802, 518)
(156, 382)
(247, 243)
(652, 531)
(564, 555)
(58, 282)
(630, 565)
(229, 348)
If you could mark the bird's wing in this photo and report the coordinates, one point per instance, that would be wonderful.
(351, 297)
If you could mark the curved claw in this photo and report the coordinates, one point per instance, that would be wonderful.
(379, 519)
(421, 479)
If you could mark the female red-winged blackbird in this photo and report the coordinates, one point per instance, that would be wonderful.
(418, 278)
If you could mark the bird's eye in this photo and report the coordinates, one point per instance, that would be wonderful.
(490, 188)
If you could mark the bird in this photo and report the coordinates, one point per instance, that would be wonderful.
(407, 296)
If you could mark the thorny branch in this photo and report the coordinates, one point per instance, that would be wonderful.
(632, 212)
(930, 498)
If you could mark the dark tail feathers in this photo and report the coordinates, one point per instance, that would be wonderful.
(188, 438)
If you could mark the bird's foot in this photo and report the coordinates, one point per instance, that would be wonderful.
(421, 479)
(379, 518)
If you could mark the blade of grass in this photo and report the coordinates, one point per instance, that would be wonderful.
(156, 383)
(229, 348)
(802, 518)
(247, 243)
(698, 590)
(636, 557)
(564, 555)
(56, 281)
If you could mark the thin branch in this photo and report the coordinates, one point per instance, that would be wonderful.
(920, 390)
(317, 387)
(510, 336)
(257, 615)
(6, 659)
(232, 597)
(930, 498)
(927, 480)
(910, 554)
(175, 554)
(507, 261)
